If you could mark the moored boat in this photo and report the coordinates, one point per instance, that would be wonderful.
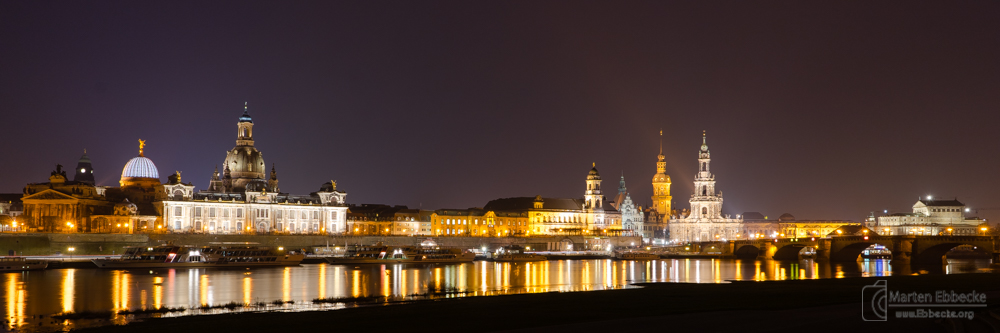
(14, 264)
(440, 255)
(170, 256)
(636, 256)
(515, 253)
(375, 254)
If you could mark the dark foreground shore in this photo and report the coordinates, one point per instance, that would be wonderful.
(826, 305)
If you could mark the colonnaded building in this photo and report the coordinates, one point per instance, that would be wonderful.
(705, 221)
(242, 200)
(932, 217)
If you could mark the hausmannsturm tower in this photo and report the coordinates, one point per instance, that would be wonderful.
(661, 185)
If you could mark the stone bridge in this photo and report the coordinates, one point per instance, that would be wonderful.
(917, 249)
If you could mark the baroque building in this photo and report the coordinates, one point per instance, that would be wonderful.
(931, 217)
(528, 216)
(241, 200)
(79, 205)
(705, 221)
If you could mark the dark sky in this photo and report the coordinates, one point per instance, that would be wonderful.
(825, 111)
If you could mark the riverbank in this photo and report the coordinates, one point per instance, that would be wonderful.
(812, 305)
(38, 244)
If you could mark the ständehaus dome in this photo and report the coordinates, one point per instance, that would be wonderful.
(139, 170)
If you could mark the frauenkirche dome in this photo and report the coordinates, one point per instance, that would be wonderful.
(245, 162)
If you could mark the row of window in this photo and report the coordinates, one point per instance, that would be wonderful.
(260, 213)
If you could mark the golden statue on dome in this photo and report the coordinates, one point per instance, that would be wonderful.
(142, 144)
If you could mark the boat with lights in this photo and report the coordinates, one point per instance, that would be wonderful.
(17, 264)
(636, 256)
(373, 254)
(170, 256)
(515, 253)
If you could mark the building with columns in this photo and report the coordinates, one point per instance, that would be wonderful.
(705, 221)
(931, 217)
(241, 200)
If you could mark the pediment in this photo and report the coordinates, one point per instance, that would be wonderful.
(48, 194)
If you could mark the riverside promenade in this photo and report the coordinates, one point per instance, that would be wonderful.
(38, 244)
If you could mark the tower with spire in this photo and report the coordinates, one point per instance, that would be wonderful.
(272, 183)
(593, 198)
(662, 201)
(705, 222)
(704, 202)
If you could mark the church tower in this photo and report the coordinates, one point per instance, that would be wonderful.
(593, 198)
(272, 183)
(661, 185)
(84, 171)
(705, 203)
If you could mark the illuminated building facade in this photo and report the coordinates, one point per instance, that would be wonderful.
(756, 225)
(705, 221)
(658, 215)
(931, 217)
(632, 216)
(242, 201)
(528, 216)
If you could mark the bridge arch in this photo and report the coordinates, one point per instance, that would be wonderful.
(851, 251)
(747, 252)
(935, 254)
(789, 252)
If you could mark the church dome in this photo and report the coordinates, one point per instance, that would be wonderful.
(140, 167)
(245, 162)
(593, 175)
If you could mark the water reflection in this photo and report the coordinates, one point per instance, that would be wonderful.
(117, 290)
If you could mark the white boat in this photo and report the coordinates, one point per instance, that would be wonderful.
(375, 254)
(15, 264)
(636, 256)
(170, 256)
(439, 255)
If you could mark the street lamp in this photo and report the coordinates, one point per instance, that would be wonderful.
(71, 249)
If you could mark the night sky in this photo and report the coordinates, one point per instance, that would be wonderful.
(825, 111)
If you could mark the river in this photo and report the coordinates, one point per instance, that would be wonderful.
(30, 298)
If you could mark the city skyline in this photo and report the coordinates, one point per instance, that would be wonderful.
(429, 108)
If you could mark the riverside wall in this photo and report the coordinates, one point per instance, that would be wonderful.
(56, 243)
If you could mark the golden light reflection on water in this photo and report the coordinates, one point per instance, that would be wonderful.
(15, 300)
(157, 292)
(356, 285)
(286, 284)
(322, 281)
(67, 290)
(118, 290)
(247, 288)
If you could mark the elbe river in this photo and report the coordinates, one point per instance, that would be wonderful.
(30, 298)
